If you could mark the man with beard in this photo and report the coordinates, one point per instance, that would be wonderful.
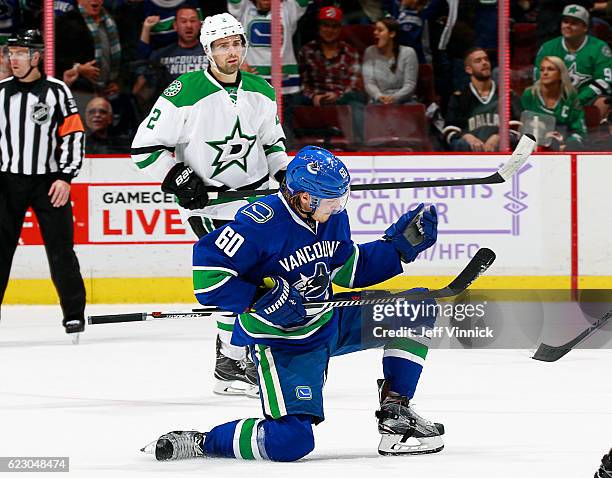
(215, 130)
(472, 119)
(187, 53)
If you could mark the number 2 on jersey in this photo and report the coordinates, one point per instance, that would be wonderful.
(154, 117)
(229, 241)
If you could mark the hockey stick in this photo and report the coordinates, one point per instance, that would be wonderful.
(476, 267)
(523, 150)
(550, 353)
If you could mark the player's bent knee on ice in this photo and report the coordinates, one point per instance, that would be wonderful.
(288, 438)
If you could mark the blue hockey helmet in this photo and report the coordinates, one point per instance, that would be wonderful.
(320, 173)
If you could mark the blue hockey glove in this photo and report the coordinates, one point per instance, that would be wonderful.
(281, 305)
(414, 232)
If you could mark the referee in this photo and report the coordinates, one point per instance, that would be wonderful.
(41, 151)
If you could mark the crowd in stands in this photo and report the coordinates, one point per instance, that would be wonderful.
(374, 74)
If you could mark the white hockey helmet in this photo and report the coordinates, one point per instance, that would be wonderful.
(220, 26)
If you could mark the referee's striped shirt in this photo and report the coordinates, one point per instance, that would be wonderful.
(40, 128)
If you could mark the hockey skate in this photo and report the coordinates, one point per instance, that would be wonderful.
(176, 445)
(403, 431)
(74, 326)
(235, 377)
(605, 470)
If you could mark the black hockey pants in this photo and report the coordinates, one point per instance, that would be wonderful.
(17, 193)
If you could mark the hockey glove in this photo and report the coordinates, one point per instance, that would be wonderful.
(281, 305)
(414, 232)
(189, 189)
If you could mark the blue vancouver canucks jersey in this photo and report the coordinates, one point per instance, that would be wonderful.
(267, 238)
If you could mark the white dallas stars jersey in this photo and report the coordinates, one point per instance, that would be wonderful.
(230, 141)
(258, 31)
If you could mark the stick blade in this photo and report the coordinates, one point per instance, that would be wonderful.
(548, 353)
(521, 153)
(479, 264)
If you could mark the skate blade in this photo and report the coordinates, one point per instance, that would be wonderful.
(76, 338)
(393, 445)
(236, 388)
(150, 448)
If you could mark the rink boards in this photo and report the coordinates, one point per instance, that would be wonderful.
(549, 226)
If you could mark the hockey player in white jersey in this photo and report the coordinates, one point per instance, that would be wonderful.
(215, 130)
(257, 17)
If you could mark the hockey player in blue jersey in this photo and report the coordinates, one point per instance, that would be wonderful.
(298, 242)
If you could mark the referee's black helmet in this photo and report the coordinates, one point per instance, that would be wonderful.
(27, 38)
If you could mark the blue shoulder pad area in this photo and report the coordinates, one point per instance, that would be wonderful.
(227, 261)
(268, 210)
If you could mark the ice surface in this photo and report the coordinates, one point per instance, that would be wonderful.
(125, 384)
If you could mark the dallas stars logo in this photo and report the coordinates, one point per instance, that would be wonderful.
(577, 78)
(233, 149)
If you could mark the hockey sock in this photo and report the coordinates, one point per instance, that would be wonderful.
(225, 326)
(403, 361)
(285, 439)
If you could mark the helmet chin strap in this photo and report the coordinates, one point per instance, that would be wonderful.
(29, 71)
(25, 76)
(294, 201)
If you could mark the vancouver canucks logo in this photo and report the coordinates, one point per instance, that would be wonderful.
(233, 149)
(313, 167)
(317, 285)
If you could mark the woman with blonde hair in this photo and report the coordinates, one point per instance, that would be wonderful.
(553, 94)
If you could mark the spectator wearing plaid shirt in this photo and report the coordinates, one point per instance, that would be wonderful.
(330, 70)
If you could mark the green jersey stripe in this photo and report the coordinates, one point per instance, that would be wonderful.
(404, 355)
(149, 160)
(274, 149)
(208, 224)
(226, 327)
(268, 382)
(262, 384)
(246, 433)
(345, 276)
(276, 381)
(256, 327)
(236, 438)
(408, 345)
(205, 281)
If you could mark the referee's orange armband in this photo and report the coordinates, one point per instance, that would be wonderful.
(71, 124)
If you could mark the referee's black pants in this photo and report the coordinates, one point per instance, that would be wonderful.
(17, 193)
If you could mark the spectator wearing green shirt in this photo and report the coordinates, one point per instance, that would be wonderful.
(588, 59)
(553, 94)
